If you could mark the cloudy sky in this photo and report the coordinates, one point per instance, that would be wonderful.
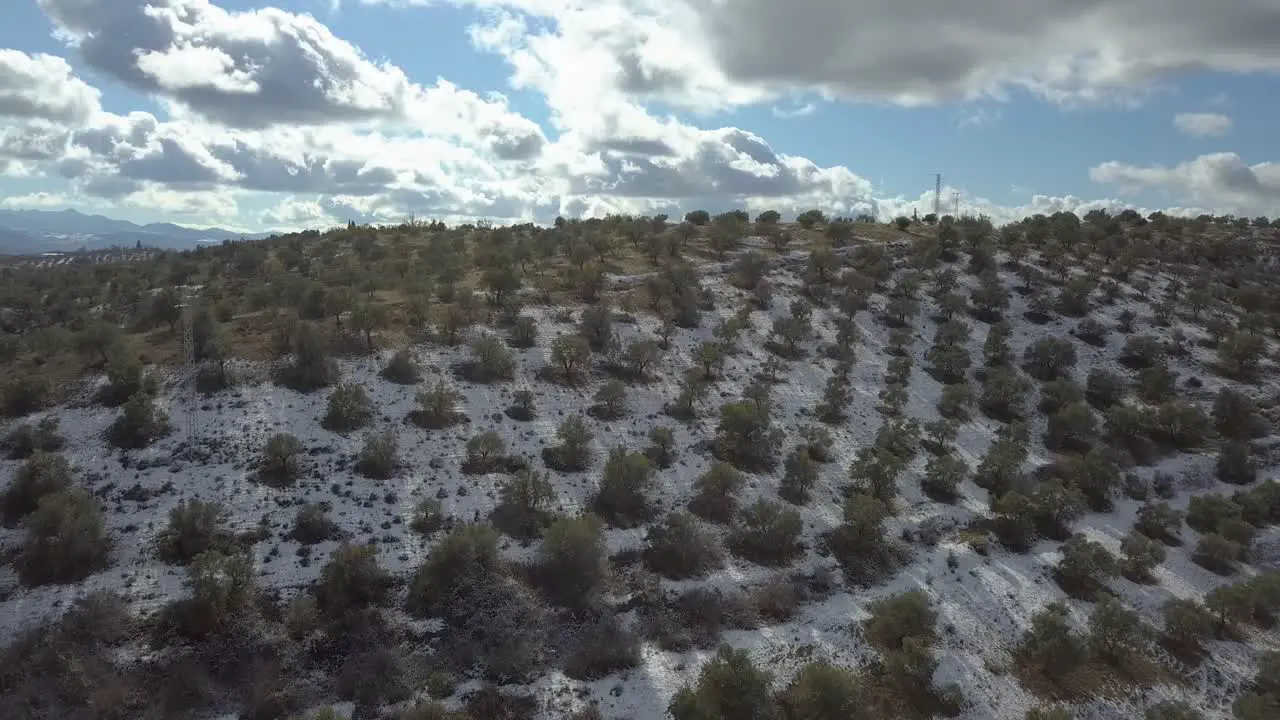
(301, 113)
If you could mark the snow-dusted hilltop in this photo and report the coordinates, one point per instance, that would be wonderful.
(623, 469)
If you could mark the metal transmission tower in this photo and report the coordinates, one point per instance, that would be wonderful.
(955, 199)
(189, 354)
(937, 195)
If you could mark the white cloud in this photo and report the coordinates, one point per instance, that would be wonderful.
(35, 201)
(42, 87)
(1220, 180)
(1202, 124)
(271, 120)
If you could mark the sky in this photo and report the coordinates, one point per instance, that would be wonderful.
(308, 113)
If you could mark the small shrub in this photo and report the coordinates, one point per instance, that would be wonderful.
(662, 447)
(281, 460)
(611, 401)
(402, 368)
(622, 499)
(467, 556)
(140, 423)
(195, 526)
(312, 525)
(895, 620)
(524, 504)
(428, 518)
(573, 560)
(715, 493)
(352, 579)
(522, 407)
(42, 474)
(574, 453)
(767, 533)
(24, 440)
(66, 539)
(490, 362)
(800, 476)
(943, 476)
(349, 408)
(677, 548)
(729, 686)
(1051, 646)
(606, 647)
(379, 455)
(1083, 566)
(437, 407)
(484, 453)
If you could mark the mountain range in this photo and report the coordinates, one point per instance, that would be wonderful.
(31, 232)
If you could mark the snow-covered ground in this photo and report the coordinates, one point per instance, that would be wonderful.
(984, 603)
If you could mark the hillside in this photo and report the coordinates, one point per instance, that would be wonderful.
(519, 472)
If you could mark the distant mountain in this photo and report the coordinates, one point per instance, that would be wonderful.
(31, 232)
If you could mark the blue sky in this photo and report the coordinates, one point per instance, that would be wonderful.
(525, 109)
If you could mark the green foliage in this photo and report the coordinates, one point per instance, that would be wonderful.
(311, 367)
(195, 527)
(767, 533)
(1051, 646)
(378, 455)
(729, 687)
(348, 408)
(745, 437)
(525, 501)
(311, 525)
(437, 407)
(575, 451)
(281, 462)
(466, 557)
(899, 618)
(573, 560)
(822, 691)
(139, 424)
(715, 493)
(402, 368)
(678, 548)
(42, 474)
(24, 440)
(622, 499)
(66, 539)
(352, 579)
(800, 476)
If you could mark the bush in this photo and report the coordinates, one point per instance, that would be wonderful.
(895, 620)
(745, 437)
(1186, 624)
(1116, 633)
(42, 474)
(729, 687)
(222, 587)
(124, 380)
(484, 453)
(66, 539)
(140, 423)
(195, 527)
(378, 456)
(1160, 522)
(524, 333)
(349, 408)
(524, 505)
(1071, 428)
(522, 407)
(281, 462)
(821, 691)
(800, 476)
(428, 517)
(24, 440)
(466, 557)
(622, 498)
(574, 561)
(1049, 358)
(311, 525)
(311, 367)
(714, 493)
(1104, 389)
(574, 453)
(22, 396)
(604, 648)
(943, 476)
(1051, 646)
(352, 579)
(402, 368)
(1172, 710)
(1235, 416)
(662, 447)
(1083, 566)
(611, 401)
(767, 533)
(1141, 555)
(678, 549)
(1235, 463)
(491, 361)
(437, 407)
(570, 358)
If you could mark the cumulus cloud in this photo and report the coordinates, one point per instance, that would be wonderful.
(42, 87)
(270, 110)
(1202, 124)
(1219, 180)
